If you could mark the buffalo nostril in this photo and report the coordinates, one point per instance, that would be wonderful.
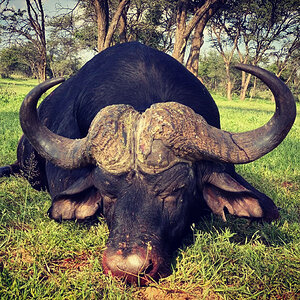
(149, 268)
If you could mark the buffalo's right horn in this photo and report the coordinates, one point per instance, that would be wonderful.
(61, 151)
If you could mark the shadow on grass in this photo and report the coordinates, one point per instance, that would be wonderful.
(245, 110)
(21, 83)
(244, 230)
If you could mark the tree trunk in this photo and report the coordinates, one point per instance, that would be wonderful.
(245, 87)
(244, 60)
(228, 79)
(36, 18)
(114, 22)
(43, 66)
(198, 39)
(184, 29)
(197, 42)
(123, 26)
(180, 38)
(253, 90)
(248, 77)
(102, 13)
(106, 29)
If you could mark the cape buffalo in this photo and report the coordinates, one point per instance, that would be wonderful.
(135, 137)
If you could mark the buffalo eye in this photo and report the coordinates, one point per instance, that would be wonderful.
(173, 196)
(109, 197)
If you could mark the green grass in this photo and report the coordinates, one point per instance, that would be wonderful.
(17, 85)
(41, 259)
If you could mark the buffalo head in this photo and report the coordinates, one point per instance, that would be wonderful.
(152, 171)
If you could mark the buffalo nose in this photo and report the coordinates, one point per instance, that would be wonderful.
(134, 267)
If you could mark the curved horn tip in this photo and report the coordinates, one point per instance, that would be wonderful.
(246, 67)
(41, 88)
(256, 71)
(51, 82)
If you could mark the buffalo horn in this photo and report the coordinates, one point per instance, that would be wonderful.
(61, 151)
(249, 146)
(195, 139)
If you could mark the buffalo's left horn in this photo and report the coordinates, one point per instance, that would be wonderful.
(61, 151)
(249, 146)
(189, 135)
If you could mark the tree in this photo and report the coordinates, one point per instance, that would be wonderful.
(211, 71)
(28, 25)
(151, 22)
(185, 25)
(106, 26)
(225, 28)
(289, 54)
(19, 59)
(8, 62)
(154, 22)
(266, 24)
(226, 55)
(198, 38)
(106, 15)
(256, 29)
(287, 62)
(63, 46)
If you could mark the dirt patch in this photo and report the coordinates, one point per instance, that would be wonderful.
(78, 262)
(157, 293)
(26, 256)
(152, 293)
(290, 185)
(21, 256)
(19, 226)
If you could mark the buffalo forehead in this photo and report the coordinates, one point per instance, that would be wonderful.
(156, 128)
(123, 139)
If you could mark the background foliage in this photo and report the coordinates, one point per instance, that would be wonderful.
(264, 33)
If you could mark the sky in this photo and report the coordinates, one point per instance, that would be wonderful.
(50, 6)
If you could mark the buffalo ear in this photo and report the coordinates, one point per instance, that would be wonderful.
(221, 191)
(79, 186)
(80, 201)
